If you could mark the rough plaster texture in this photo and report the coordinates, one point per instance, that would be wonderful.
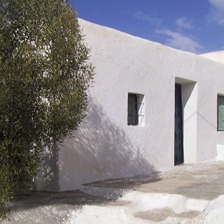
(104, 146)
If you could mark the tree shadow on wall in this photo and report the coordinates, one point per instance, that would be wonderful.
(99, 150)
(48, 175)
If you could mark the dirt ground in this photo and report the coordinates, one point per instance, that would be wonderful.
(200, 181)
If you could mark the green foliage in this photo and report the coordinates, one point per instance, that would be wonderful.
(44, 79)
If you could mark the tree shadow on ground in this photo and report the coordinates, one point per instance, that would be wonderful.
(34, 199)
(126, 183)
(49, 207)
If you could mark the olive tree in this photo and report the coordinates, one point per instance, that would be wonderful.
(45, 75)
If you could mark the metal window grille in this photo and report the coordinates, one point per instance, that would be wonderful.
(220, 110)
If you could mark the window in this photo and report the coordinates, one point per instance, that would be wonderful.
(220, 113)
(136, 109)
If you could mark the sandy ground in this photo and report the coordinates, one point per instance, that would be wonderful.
(187, 194)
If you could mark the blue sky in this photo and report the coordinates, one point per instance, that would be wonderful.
(190, 25)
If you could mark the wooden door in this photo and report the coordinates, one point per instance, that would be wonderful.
(178, 155)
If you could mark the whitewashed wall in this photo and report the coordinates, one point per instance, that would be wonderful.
(217, 56)
(105, 147)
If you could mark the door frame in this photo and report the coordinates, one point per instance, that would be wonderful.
(189, 91)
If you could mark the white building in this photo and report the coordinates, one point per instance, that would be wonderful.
(151, 107)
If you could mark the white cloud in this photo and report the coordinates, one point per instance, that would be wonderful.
(179, 41)
(217, 11)
(147, 18)
(183, 23)
(217, 3)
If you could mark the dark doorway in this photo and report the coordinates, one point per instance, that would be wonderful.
(178, 155)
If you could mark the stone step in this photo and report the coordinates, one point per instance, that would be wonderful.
(144, 207)
(178, 203)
